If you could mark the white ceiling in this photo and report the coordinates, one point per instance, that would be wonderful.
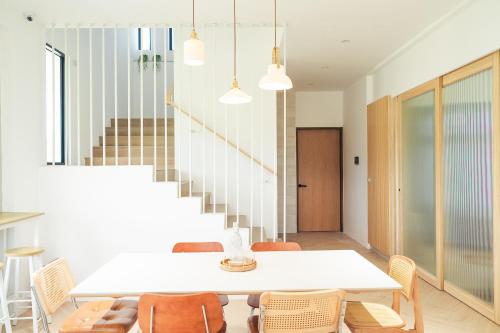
(317, 60)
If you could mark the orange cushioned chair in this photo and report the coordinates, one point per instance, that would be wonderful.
(364, 317)
(253, 300)
(194, 247)
(197, 313)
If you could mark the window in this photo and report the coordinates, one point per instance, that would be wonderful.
(54, 103)
(144, 42)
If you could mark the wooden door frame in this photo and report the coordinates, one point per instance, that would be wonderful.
(436, 87)
(341, 161)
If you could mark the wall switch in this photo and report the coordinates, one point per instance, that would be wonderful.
(356, 160)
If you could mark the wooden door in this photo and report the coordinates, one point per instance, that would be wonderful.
(319, 179)
(378, 175)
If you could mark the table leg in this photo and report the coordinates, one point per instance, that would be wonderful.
(342, 315)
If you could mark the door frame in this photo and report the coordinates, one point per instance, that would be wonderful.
(341, 161)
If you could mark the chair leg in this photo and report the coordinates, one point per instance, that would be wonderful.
(34, 309)
(17, 274)
(5, 308)
(43, 315)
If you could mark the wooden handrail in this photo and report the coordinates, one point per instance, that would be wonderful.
(219, 135)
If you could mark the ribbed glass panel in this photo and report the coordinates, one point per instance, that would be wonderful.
(467, 139)
(419, 226)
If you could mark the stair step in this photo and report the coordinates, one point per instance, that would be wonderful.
(219, 208)
(145, 122)
(135, 151)
(200, 195)
(136, 130)
(135, 160)
(135, 140)
(172, 175)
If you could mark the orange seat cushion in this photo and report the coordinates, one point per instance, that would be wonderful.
(103, 317)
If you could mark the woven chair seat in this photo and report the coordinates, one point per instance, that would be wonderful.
(371, 315)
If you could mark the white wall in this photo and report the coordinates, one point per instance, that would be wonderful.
(319, 109)
(94, 213)
(355, 176)
(22, 77)
(469, 34)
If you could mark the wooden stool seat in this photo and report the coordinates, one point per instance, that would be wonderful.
(102, 316)
(25, 251)
(364, 315)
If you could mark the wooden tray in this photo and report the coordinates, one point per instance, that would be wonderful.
(227, 265)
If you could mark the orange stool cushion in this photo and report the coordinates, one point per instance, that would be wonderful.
(103, 317)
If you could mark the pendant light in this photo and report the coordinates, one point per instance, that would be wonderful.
(194, 50)
(235, 95)
(276, 78)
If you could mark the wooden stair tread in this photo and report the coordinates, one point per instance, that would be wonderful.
(219, 208)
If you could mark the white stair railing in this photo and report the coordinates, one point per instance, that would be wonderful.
(112, 97)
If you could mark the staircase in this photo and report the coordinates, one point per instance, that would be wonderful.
(165, 168)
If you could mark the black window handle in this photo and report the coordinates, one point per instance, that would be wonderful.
(302, 185)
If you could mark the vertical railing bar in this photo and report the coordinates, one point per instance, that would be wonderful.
(284, 166)
(237, 165)
(53, 96)
(203, 137)
(275, 179)
(165, 115)
(128, 97)
(78, 148)
(91, 87)
(214, 107)
(70, 139)
(261, 166)
(226, 169)
(66, 138)
(284, 146)
(103, 98)
(190, 129)
(116, 92)
(178, 141)
(153, 35)
(252, 109)
(141, 70)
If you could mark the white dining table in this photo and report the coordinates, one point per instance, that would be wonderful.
(133, 274)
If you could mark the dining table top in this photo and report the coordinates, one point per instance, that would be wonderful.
(133, 274)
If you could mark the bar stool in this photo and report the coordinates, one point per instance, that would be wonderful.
(15, 256)
(3, 303)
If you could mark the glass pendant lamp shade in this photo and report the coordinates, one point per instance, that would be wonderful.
(235, 95)
(275, 79)
(194, 51)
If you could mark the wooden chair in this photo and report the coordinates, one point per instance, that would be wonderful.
(194, 247)
(198, 247)
(253, 299)
(275, 246)
(198, 313)
(305, 312)
(52, 285)
(363, 317)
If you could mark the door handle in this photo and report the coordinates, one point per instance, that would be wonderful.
(301, 185)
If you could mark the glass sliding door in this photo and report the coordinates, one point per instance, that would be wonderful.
(467, 183)
(417, 177)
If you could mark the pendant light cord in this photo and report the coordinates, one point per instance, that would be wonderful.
(234, 39)
(274, 23)
(193, 16)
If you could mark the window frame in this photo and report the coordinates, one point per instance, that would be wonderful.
(62, 57)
